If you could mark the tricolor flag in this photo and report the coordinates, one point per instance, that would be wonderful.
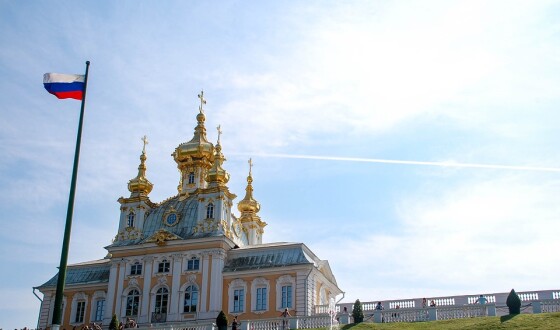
(65, 86)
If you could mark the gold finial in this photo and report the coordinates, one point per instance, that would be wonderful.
(202, 101)
(219, 128)
(145, 140)
(250, 165)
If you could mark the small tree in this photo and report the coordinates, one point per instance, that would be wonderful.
(358, 312)
(114, 325)
(513, 302)
(222, 321)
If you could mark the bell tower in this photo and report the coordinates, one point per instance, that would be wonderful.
(135, 208)
(249, 207)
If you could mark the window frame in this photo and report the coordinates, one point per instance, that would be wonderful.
(80, 314)
(99, 312)
(131, 217)
(191, 290)
(136, 269)
(285, 281)
(210, 210)
(161, 302)
(164, 266)
(191, 263)
(133, 294)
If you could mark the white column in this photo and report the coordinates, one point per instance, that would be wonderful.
(108, 312)
(144, 314)
(216, 283)
(205, 276)
(119, 293)
(175, 286)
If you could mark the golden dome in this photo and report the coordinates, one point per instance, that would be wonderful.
(198, 147)
(140, 185)
(217, 174)
(248, 204)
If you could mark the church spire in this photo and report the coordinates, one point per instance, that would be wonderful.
(140, 185)
(217, 175)
(248, 205)
(249, 208)
(194, 158)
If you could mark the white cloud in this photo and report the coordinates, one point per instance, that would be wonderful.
(484, 235)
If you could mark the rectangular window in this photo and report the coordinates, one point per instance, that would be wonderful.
(238, 300)
(287, 296)
(193, 264)
(163, 267)
(261, 299)
(136, 269)
(80, 310)
(99, 307)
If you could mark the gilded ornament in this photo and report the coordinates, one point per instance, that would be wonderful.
(161, 237)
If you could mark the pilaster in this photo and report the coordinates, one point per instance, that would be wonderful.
(144, 311)
(205, 277)
(120, 283)
(216, 283)
(175, 286)
(111, 294)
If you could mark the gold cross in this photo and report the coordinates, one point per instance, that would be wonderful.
(250, 165)
(145, 140)
(202, 101)
(219, 128)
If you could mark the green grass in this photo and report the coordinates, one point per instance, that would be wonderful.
(518, 322)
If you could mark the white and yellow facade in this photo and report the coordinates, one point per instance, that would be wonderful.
(189, 257)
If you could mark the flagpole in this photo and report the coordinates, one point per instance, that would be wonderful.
(57, 315)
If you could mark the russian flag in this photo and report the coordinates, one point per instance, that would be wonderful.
(65, 86)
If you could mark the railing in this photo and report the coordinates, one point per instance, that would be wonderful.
(463, 312)
(550, 306)
(159, 317)
(454, 301)
(403, 315)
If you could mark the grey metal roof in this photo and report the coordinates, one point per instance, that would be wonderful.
(87, 273)
(259, 257)
(188, 214)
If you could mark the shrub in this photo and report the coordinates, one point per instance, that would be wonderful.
(513, 302)
(114, 325)
(357, 312)
(222, 321)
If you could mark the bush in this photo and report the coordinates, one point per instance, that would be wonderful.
(358, 312)
(114, 325)
(513, 302)
(222, 321)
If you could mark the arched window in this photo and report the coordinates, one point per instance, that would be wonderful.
(132, 303)
(191, 299)
(191, 177)
(130, 222)
(162, 296)
(210, 211)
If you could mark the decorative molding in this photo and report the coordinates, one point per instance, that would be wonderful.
(161, 237)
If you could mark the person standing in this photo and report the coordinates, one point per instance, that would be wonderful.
(234, 323)
(285, 322)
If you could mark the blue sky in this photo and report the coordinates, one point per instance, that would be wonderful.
(436, 81)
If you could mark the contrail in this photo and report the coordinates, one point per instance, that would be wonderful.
(406, 162)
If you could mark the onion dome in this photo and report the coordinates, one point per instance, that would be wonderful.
(248, 205)
(140, 185)
(217, 174)
(198, 147)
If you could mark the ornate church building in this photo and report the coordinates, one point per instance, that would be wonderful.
(189, 257)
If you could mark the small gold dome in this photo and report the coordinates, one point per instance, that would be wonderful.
(140, 185)
(248, 204)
